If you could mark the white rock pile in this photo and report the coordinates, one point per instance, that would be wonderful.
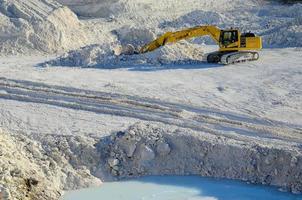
(104, 56)
(45, 27)
(32, 170)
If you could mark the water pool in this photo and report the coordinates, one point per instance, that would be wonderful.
(179, 188)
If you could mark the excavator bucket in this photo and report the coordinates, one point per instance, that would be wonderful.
(128, 49)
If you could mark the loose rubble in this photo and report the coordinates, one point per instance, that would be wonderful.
(106, 56)
(32, 170)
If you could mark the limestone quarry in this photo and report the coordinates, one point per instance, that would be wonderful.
(75, 112)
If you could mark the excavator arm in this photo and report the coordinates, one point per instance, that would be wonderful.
(172, 37)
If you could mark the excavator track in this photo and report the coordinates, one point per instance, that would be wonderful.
(237, 57)
(227, 58)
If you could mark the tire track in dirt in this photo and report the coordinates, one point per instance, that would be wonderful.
(185, 116)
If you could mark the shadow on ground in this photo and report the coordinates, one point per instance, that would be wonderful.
(185, 64)
(201, 65)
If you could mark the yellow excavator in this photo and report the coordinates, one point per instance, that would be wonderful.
(233, 46)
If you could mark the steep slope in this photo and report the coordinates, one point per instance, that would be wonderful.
(31, 170)
(45, 26)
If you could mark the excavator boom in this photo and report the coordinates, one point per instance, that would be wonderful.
(173, 37)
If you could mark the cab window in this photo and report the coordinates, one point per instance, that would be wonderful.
(229, 37)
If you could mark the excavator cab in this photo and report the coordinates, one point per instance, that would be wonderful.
(229, 38)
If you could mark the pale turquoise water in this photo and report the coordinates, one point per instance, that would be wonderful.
(180, 188)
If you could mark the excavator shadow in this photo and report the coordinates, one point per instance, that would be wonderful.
(185, 65)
